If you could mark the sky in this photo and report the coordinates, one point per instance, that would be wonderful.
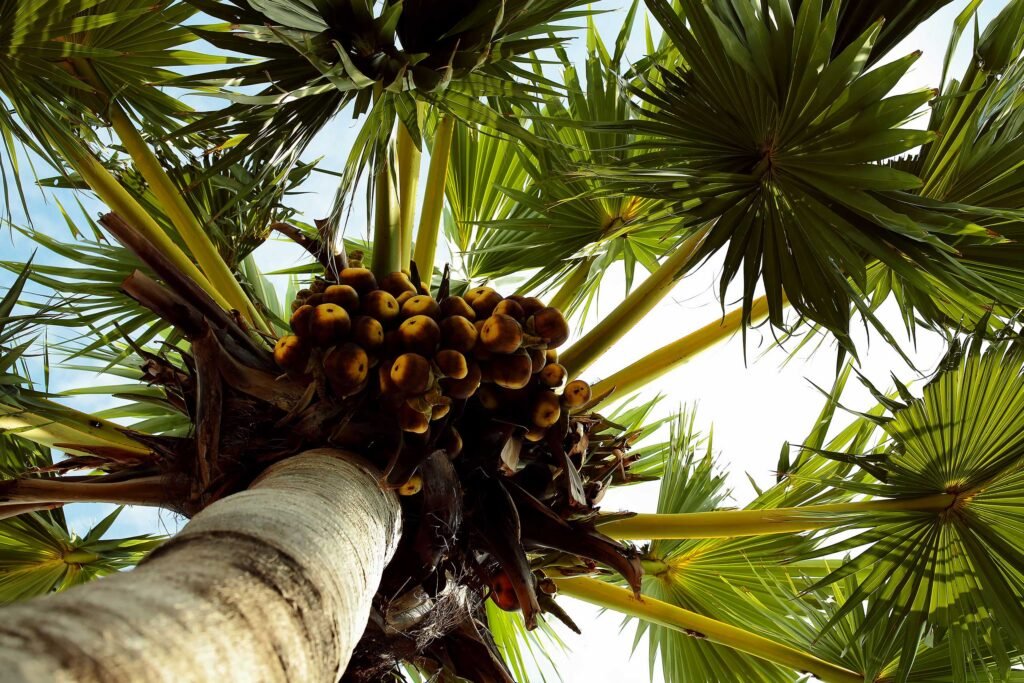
(753, 402)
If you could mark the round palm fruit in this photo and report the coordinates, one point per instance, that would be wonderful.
(545, 409)
(465, 387)
(314, 299)
(536, 434)
(458, 334)
(396, 283)
(411, 373)
(346, 367)
(502, 334)
(384, 379)
(577, 392)
(380, 305)
(549, 324)
(420, 334)
(403, 297)
(411, 487)
(489, 397)
(503, 594)
(412, 420)
(510, 308)
(343, 295)
(368, 332)
(551, 355)
(483, 300)
(553, 375)
(359, 279)
(530, 305)
(424, 288)
(297, 304)
(329, 323)
(439, 411)
(299, 322)
(319, 285)
(452, 364)
(512, 371)
(456, 305)
(538, 358)
(291, 353)
(421, 305)
(451, 442)
(356, 255)
(303, 294)
(355, 263)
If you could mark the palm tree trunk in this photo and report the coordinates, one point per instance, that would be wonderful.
(271, 584)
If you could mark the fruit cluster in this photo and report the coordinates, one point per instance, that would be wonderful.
(429, 353)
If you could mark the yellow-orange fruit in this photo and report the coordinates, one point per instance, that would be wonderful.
(553, 375)
(489, 397)
(368, 332)
(359, 279)
(510, 308)
(458, 334)
(380, 305)
(411, 373)
(299, 321)
(439, 411)
(483, 300)
(291, 353)
(537, 358)
(452, 363)
(501, 334)
(328, 324)
(343, 295)
(451, 442)
(403, 297)
(551, 355)
(346, 367)
(545, 410)
(420, 334)
(384, 379)
(577, 392)
(512, 371)
(421, 305)
(424, 288)
(530, 305)
(412, 420)
(535, 434)
(465, 387)
(503, 594)
(411, 487)
(456, 305)
(397, 282)
(549, 324)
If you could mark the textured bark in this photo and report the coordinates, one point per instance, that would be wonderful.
(271, 584)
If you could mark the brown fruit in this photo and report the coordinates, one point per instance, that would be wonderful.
(384, 379)
(411, 373)
(511, 309)
(549, 324)
(577, 392)
(292, 353)
(458, 334)
(512, 371)
(489, 397)
(314, 299)
(411, 487)
(531, 305)
(545, 410)
(424, 288)
(501, 334)
(329, 324)
(538, 358)
(551, 355)
(483, 300)
(303, 294)
(451, 442)
(355, 263)
(403, 297)
(456, 305)
(368, 332)
(465, 387)
(359, 279)
(346, 367)
(412, 420)
(342, 295)
(319, 285)
(421, 305)
(397, 282)
(297, 304)
(553, 375)
(380, 305)
(439, 411)
(503, 593)
(452, 363)
(536, 434)
(392, 344)
(420, 334)
(300, 319)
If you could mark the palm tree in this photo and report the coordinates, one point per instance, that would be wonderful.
(403, 483)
